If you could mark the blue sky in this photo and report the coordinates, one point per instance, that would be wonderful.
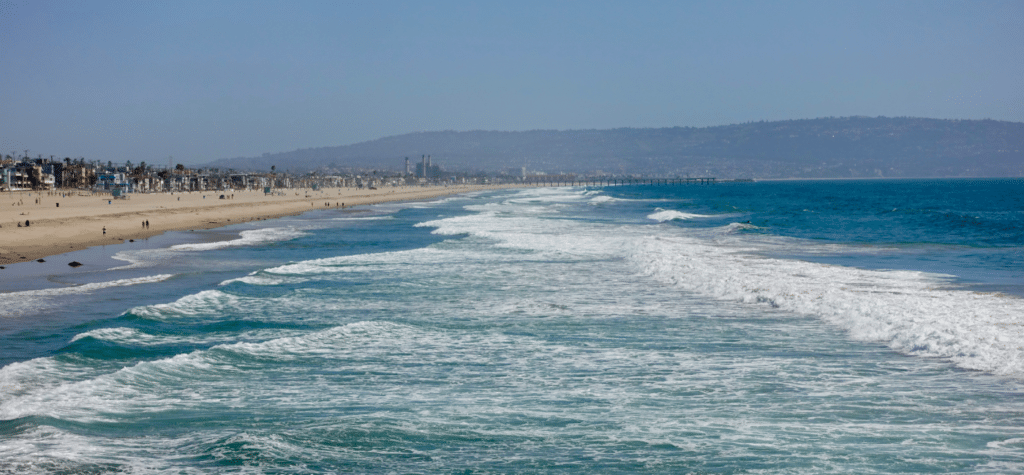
(201, 80)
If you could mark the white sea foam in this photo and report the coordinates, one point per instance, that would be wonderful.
(549, 196)
(363, 218)
(48, 450)
(352, 263)
(670, 215)
(605, 199)
(137, 258)
(737, 227)
(205, 302)
(123, 334)
(262, 278)
(911, 311)
(184, 380)
(508, 208)
(541, 201)
(1016, 442)
(39, 375)
(135, 337)
(90, 287)
(99, 398)
(553, 236)
(246, 238)
(151, 257)
(17, 303)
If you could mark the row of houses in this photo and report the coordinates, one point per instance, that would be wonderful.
(40, 174)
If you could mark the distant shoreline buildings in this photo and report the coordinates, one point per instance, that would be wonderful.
(43, 174)
(46, 174)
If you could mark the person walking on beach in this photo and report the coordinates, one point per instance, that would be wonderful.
(104, 230)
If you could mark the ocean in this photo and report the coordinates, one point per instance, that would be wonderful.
(766, 327)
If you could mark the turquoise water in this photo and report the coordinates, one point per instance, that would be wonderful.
(796, 327)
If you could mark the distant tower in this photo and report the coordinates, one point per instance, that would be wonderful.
(407, 166)
(424, 166)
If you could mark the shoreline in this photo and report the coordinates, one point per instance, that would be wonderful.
(61, 222)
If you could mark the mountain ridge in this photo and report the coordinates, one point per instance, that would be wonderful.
(843, 147)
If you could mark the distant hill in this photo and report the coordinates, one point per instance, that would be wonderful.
(822, 148)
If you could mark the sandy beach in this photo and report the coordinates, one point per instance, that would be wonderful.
(62, 221)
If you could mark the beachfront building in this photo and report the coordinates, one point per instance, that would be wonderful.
(239, 181)
(78, 175)
(175, 182)
(145, 184)
(108, 181)
(26, 176)
(197, 182)
(12, 179)
(52, 173)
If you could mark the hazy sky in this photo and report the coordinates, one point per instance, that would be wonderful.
(201, 80)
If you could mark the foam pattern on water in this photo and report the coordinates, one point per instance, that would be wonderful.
(669, 215)
(910, 311)
(246, 238)
(17, 303)
(526, 341)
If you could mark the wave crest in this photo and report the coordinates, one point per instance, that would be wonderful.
(671, 215)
